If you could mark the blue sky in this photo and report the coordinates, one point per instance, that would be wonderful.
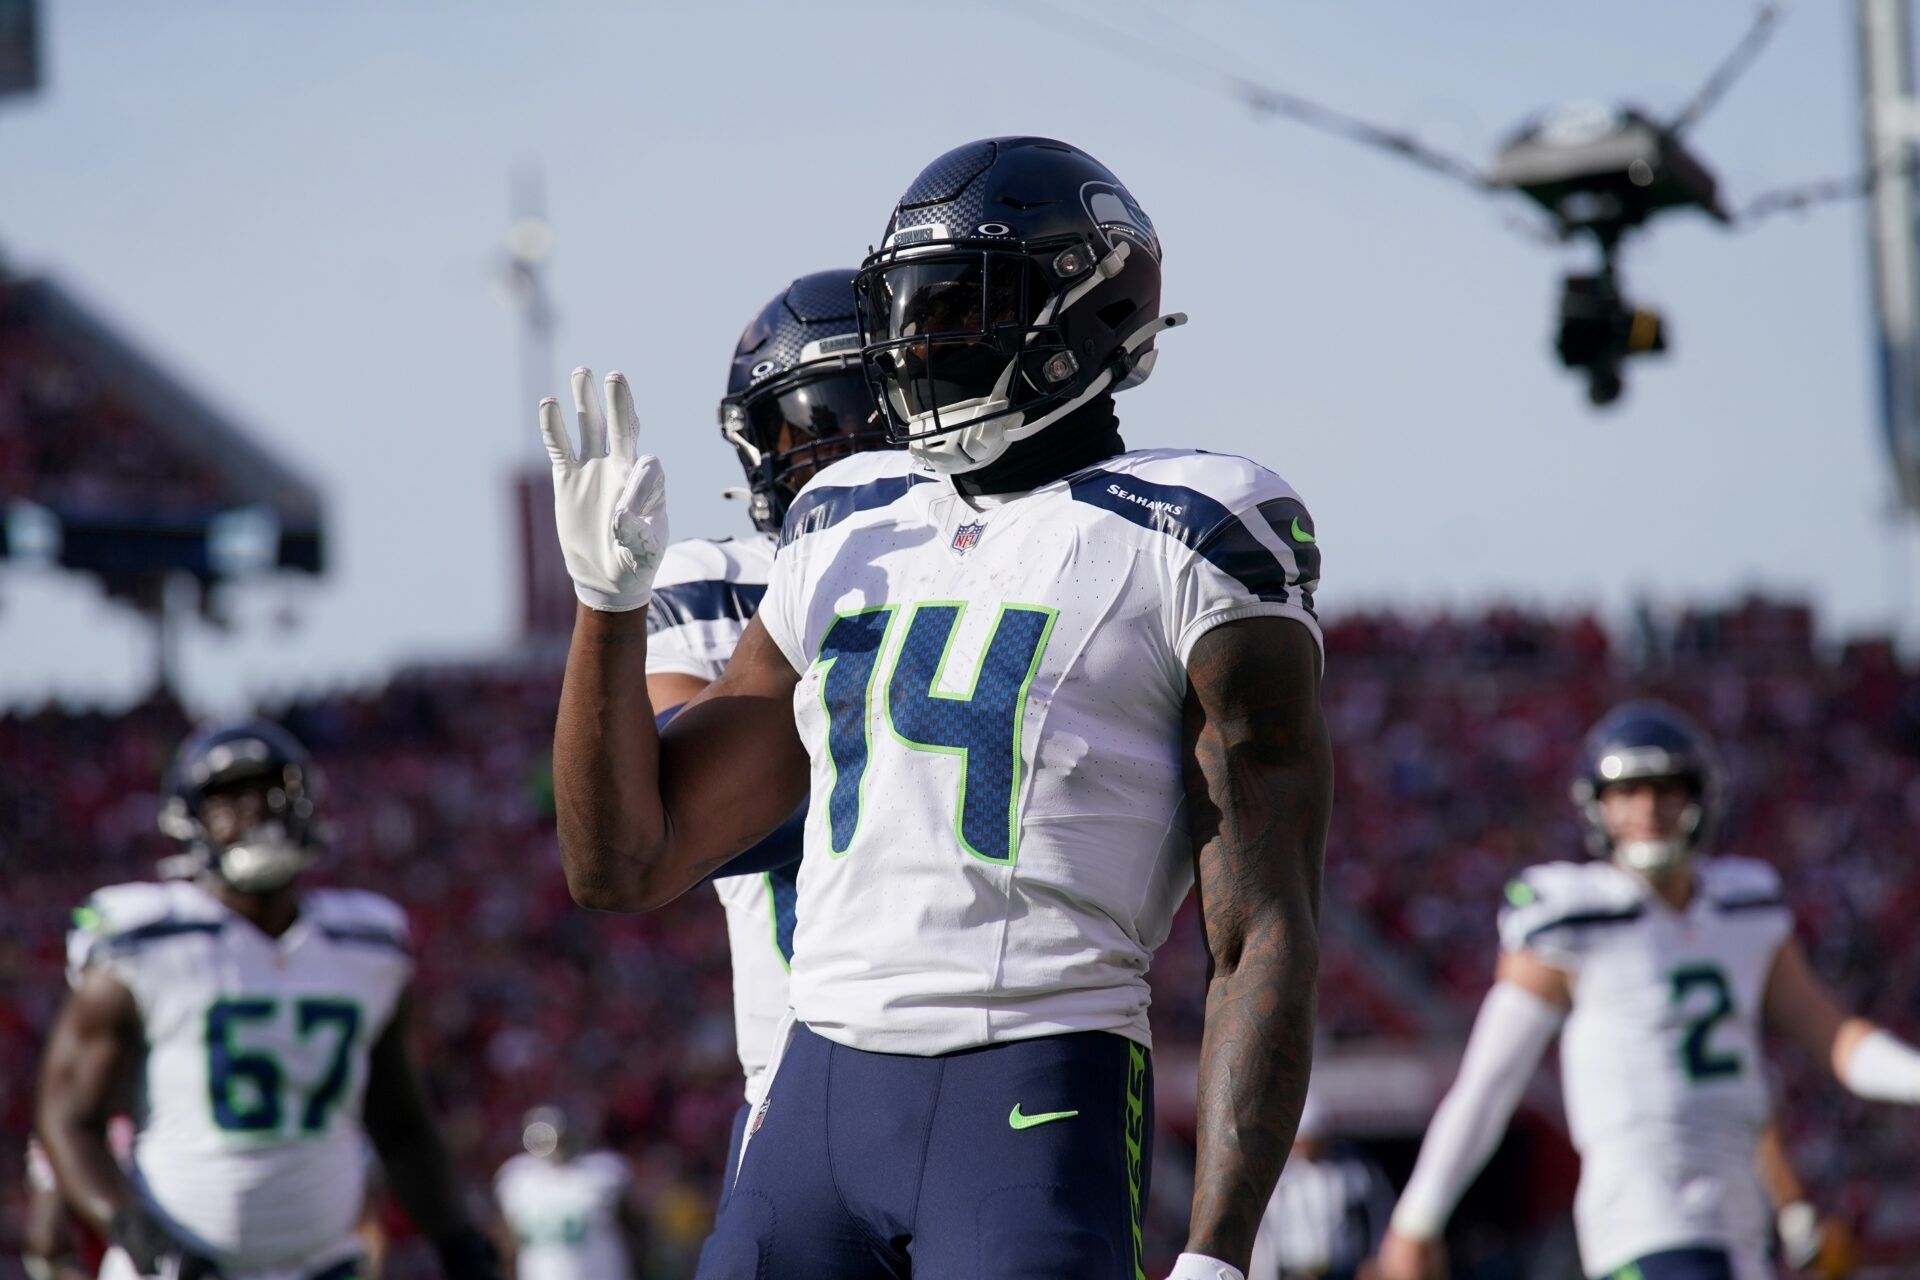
(300, 209)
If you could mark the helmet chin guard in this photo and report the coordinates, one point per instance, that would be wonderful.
(989, 428)
(1650, 857)
(264, 860)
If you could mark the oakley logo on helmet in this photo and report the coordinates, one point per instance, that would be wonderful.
(994, 229)
(764, 368)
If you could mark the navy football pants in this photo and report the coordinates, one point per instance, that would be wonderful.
(1018, 1161)
(1677, 1264)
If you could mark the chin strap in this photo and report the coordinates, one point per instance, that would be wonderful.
(1121, 373)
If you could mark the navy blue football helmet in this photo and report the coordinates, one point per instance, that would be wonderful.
(1644, 740)
(242, 753)
(796, 399)
(1018, 279)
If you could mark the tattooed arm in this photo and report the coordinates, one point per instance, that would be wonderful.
(1259, 773)
(644, 814)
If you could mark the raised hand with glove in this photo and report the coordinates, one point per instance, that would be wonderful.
(608, 503)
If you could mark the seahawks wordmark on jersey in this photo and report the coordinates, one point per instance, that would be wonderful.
(250, 1143)
(991, 696)
(703, 598)
(1666, 1092)
(565, 1216)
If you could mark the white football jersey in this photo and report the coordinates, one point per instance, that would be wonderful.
(703, 598)
(249, 1140)
(565, 1217)
(1660, 1058)
(991, 695)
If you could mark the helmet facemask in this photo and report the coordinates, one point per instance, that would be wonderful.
(273, 847)
(785, 431)
(1655, 855)
(971, 344)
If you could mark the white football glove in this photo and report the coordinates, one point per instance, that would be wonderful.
(1198, 1266)
(610, 506)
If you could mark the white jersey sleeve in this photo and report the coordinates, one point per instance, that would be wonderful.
(703, 598)
(1243, 540)
(113, 930)
(1554, 910)
(372, 924)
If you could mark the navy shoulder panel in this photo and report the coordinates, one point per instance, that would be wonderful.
(134, 939)
(1576, 919)
(710, 600)
(822, 506)
(1199, 521)
(365, 935)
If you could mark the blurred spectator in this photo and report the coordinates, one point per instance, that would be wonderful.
(1327, 1213)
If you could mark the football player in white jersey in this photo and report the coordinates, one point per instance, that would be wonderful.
(570, 1213)
(1034, 686)
(796, 400)
(1657, 967)
(266, 1030)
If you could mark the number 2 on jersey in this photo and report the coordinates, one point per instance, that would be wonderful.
(981, 727)
(245, 1085)
(1697, 1056)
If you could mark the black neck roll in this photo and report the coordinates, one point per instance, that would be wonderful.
(1079, 440)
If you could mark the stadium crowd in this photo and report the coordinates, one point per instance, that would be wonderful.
(1453, 735)
(71, 441)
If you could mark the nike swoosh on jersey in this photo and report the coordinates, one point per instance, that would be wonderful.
(1299, 534)
(1017, 1121)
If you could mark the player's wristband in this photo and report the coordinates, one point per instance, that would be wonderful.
(1198, 1266)
(1799, 1227)
(1882, 1069)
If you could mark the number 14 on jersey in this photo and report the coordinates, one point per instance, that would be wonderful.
(980, 727)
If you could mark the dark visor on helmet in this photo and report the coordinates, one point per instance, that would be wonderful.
(804, 424)
(808, 410)
(947, 329)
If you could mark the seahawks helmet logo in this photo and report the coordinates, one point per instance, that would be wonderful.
(1114, 210)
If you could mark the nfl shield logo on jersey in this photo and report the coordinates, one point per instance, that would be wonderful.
(966, 536)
